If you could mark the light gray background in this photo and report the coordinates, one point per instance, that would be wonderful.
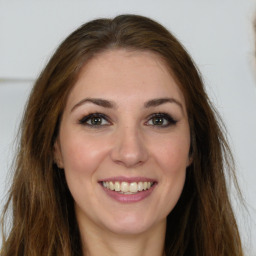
(218, 34)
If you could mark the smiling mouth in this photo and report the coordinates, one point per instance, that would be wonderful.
(126, 187)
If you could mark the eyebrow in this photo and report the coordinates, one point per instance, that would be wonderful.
(111, 104)
(160, 101)
(96, 101)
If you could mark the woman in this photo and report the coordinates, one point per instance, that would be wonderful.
(121, 152)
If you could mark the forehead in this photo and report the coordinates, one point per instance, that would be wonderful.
(125, 74)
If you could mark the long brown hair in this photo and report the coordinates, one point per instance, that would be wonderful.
(43, 222)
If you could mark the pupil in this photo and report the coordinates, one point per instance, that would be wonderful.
(158, 121)
(96, 121)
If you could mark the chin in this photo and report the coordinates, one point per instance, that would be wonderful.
(130, 225)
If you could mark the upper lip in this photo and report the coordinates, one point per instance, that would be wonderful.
(128, 179)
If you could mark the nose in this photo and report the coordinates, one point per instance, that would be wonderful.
(129, 147)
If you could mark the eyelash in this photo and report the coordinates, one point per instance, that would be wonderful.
(162, 116)
(89, 117)
(165, 117)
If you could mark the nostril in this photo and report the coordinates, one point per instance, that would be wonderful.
(129, 156)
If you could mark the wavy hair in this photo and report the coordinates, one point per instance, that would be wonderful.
(43, 220)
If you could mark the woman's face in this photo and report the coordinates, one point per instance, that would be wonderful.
(124, 142)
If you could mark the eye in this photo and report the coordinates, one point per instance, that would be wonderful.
(95, 119)
(161, 119)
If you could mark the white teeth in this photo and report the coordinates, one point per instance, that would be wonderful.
(140, 186)
(133, 187)
(124, 187)
(127, 188)
(117, 186)
(111, 185)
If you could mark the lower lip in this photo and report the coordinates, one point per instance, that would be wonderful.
(129, 198)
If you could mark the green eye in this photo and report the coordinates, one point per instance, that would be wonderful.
(161, 119)
(94, 120)
(158, 121)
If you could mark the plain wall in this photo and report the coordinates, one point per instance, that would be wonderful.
(218, 34)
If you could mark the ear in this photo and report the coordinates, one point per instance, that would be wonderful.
(189, 160)
(57, 155)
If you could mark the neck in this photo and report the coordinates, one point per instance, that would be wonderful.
(103, 242)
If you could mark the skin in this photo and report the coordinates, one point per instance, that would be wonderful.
(129, 144)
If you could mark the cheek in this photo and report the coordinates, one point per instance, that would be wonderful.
(172, 158)
(173, 162)
(82, 156)
(81, 159)
(173, 155)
